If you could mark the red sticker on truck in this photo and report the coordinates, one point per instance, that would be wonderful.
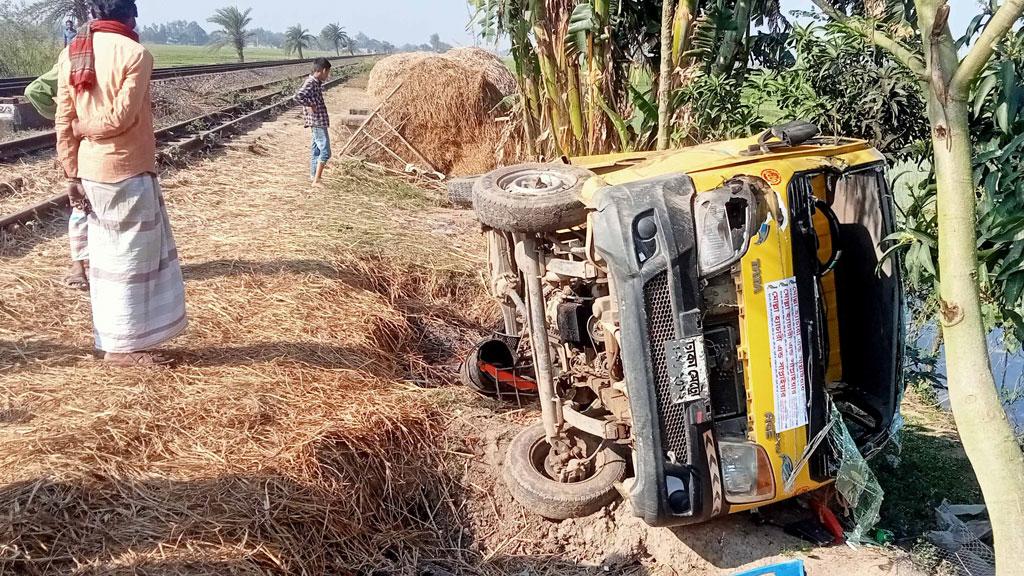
(772, 176)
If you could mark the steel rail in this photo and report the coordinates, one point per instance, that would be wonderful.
(185, 141)
(16, 86)
(12, 149)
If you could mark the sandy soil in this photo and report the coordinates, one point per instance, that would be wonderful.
(274, 286)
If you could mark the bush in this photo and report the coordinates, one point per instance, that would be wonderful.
(26, 48)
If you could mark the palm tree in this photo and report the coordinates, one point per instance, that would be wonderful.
(335, 35)
(297, 38)
(233, 29)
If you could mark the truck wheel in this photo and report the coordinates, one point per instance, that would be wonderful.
(530, 480)
(460, 191)
(531, 198)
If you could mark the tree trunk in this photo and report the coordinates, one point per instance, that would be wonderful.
(984, 428)
(665, 76)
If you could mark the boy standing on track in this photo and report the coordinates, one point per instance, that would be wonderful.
(315, 117)
(105, 142)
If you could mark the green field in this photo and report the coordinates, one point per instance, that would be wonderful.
(167, 56)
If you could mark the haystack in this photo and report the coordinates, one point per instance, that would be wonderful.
(496, 71)
(445, 113)
(388, 72)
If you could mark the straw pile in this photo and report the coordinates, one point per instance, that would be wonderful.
(299, 435)
(450, 109)
(388, 72)
(496, 71)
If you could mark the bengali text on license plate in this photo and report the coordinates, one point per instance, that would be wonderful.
(688, 370)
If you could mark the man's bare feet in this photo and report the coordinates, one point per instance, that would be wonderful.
(78, 276)
(143, 359)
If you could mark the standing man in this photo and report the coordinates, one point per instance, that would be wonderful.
(69, 32)
(42, 94)
(105, 142)
(311, 96)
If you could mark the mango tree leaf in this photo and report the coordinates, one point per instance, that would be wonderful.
(927, 261)
(984, 88)
(1010, 92)
(1014, 287)
(1018, 323)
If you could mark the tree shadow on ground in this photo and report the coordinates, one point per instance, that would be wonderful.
(15, 354)
(739, 539)
(309, 354)
(917, 474)
(211, 269)
(252, 524)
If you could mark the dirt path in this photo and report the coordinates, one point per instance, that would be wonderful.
(312, 426)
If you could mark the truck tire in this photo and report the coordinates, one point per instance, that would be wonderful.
(460, 191)
(531, 198)
(533, 487)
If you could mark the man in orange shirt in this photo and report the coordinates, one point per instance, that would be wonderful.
(105, 142)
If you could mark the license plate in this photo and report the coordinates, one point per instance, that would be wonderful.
(687, 368)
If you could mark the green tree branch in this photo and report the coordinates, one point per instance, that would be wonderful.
(900, 52)
(979, 55)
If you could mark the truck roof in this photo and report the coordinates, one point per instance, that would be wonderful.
(629, 166)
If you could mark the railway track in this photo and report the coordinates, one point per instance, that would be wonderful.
(13, 149)
(175, 141)
(16, 86)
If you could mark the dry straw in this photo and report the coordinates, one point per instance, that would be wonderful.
(450, 109)
(300, 434)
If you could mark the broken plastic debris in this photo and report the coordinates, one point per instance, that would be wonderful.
(855, 482)
(960, 538)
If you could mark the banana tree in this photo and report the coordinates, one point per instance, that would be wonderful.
(592, 73)
(574, 60)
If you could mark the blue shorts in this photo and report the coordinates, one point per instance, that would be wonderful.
(321, 149)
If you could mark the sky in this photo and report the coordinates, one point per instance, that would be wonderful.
(395, 21)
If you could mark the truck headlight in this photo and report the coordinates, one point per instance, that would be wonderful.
(746, 472)
(724, 218)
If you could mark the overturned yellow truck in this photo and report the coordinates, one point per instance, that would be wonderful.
(693, 322)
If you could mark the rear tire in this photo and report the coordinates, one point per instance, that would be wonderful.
(531, 198)
(460, 191)
(531, 485)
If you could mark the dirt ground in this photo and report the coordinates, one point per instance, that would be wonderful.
(314, 425)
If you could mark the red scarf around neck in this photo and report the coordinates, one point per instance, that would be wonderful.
(83, 59)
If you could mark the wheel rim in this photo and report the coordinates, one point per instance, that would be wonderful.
(536, 183)
(584, 467)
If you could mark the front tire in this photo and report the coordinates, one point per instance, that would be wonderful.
(531, 198)
(531, 484)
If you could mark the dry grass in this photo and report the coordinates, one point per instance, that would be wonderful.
(452, 108)
(301, 433)
(388, 72)
(496, 71)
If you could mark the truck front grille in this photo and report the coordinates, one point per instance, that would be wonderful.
(661, 329)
